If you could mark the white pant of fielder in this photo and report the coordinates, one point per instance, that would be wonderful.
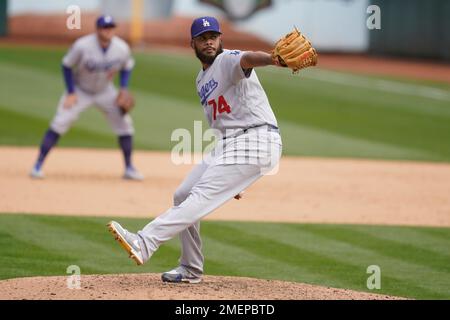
(232, 166)
(104, 100)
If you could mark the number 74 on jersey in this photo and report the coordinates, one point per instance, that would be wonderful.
(219, 106)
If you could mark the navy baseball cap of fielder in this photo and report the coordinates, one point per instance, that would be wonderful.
(105, 21)
(204, 24)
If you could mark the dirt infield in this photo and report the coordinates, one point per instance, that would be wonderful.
(149, 286)
(83, 182)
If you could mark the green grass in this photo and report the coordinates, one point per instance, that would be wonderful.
(413, 260)
(22, 129)
(321, 113)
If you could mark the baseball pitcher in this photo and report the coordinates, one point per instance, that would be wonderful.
(89, 68)
(248, 144)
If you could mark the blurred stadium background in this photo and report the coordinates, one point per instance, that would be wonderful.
(335, 26)
(376, 94)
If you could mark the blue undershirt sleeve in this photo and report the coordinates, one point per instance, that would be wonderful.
(68, 79)
(124, 78)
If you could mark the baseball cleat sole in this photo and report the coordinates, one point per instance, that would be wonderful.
(131, 252)
(184, 280)
(179, 275)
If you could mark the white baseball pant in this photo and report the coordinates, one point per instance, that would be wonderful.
(104, 100)
(217, 179)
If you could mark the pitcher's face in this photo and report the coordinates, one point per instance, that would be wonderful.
(207, 46)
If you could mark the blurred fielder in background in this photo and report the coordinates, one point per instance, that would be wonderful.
(89, 68)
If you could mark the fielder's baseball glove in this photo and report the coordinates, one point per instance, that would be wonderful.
(125, 101)
(294, 51)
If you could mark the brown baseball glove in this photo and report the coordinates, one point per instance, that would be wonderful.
(294, 51)
(125, 101)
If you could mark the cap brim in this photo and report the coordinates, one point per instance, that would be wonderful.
(206, 30)
(109, 25)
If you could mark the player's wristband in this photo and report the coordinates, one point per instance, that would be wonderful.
(124, 78)
(68, 79)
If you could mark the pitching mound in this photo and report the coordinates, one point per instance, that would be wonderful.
(149, 286)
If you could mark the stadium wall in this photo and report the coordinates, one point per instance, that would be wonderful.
(412, 28)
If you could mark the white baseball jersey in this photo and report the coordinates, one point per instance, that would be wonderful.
(232, 99)
(95, 68)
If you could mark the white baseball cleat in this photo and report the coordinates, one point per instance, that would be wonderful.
(133, 174)
(36, 173)
(128, 240)
(180, 274)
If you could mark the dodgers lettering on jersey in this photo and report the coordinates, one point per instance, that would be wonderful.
(232, 99)
(95, 69)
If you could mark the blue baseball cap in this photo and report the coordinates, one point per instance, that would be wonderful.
(204, 24)
(105, 22)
